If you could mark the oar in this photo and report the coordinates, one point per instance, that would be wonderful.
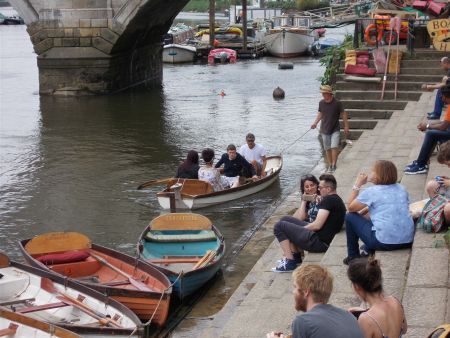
(133, 281)
(154, 182)
(47, 285)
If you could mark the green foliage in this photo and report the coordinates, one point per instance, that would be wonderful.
(203, 5)
(332, 58)
(287, 4)
(305, 5)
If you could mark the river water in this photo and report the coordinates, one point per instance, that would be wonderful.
(74, 163)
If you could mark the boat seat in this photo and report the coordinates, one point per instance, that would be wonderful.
(192, 187)
(201, 236)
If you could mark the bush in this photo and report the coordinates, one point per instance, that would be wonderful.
(332, 58)
(203, 5)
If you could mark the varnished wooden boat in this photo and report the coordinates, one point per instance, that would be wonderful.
(195, 194)
(15, 325)
(131, 281)
(45, 297)
(187, 248)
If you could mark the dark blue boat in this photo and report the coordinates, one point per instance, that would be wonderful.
(186, 247)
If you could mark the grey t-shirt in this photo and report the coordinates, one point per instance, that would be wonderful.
(330, 116)
(325, 320)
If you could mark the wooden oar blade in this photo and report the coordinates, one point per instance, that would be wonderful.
(4, 260)
(154, 182)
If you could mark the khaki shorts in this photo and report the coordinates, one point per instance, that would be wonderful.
(331, 141)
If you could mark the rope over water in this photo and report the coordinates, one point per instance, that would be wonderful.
(295, 141)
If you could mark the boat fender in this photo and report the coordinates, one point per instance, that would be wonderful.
(286, 65)
(63, 257)
(371, 35)
(278, 93)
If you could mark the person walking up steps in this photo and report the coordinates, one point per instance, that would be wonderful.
(330, 109)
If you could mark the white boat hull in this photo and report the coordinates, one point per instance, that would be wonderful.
(202, 201)
(24, 289)
(175, 53)
(288, 44)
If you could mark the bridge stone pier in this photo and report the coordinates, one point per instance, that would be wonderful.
(97, 46)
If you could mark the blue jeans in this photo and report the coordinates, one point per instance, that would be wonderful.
(438, 103)
(431, 138)
(358, 227)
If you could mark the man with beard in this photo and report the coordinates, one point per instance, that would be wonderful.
(312, 289)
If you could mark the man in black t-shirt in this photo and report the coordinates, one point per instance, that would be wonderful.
(233, 165)
(439, 101)
(294, 234)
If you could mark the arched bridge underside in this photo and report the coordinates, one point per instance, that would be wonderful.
(97, 46)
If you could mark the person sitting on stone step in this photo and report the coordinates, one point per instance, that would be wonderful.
(390, 226)
(434, 132)
(313, 285)
(315, 236)
(385, 316)
(438, 102)
(441, 184)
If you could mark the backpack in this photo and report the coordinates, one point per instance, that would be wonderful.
(442, 331)
(432, 217)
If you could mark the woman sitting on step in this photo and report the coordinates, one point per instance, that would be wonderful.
(311, 234)
(385, 317)
(390, 226)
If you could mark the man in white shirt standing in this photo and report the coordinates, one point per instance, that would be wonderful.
(255, 154)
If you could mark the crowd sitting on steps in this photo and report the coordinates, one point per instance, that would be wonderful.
(380, 217)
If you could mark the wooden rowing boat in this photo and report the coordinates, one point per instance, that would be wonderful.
(186, 247)
(195, 194)
(131, 281)
(19, 326)
(44, 296)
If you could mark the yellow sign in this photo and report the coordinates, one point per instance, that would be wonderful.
(439, 33)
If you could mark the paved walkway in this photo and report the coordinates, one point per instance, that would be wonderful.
(418, 276)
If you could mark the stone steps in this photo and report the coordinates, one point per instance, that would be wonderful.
(420, 78)
(359, 124)
(373, 104)
(368, 114)
(390, 85)
(405, 63)
(376, 94)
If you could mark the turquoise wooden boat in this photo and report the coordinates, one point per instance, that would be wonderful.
(186, 247)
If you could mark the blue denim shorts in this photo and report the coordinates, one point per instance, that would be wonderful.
(331, 141)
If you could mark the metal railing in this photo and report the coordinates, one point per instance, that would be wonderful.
(414, 33)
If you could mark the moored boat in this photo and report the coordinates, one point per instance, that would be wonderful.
(319, 47)
(44, 296)
(178, 34)
(186, 247)
(131, 281)
(290, 37)
(20, 326)
(195, 194)
(222, 55)
(176, 53)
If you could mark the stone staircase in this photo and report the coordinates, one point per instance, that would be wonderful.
(362, 99)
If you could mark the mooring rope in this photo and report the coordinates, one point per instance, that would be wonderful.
(295, 141)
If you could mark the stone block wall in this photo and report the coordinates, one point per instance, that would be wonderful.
(97, 46)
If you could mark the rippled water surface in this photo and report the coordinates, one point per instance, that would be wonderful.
(75, 163)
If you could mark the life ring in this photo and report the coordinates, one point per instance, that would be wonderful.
(372, 35)
(387, 35)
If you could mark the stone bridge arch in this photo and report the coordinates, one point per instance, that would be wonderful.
(97, 46)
